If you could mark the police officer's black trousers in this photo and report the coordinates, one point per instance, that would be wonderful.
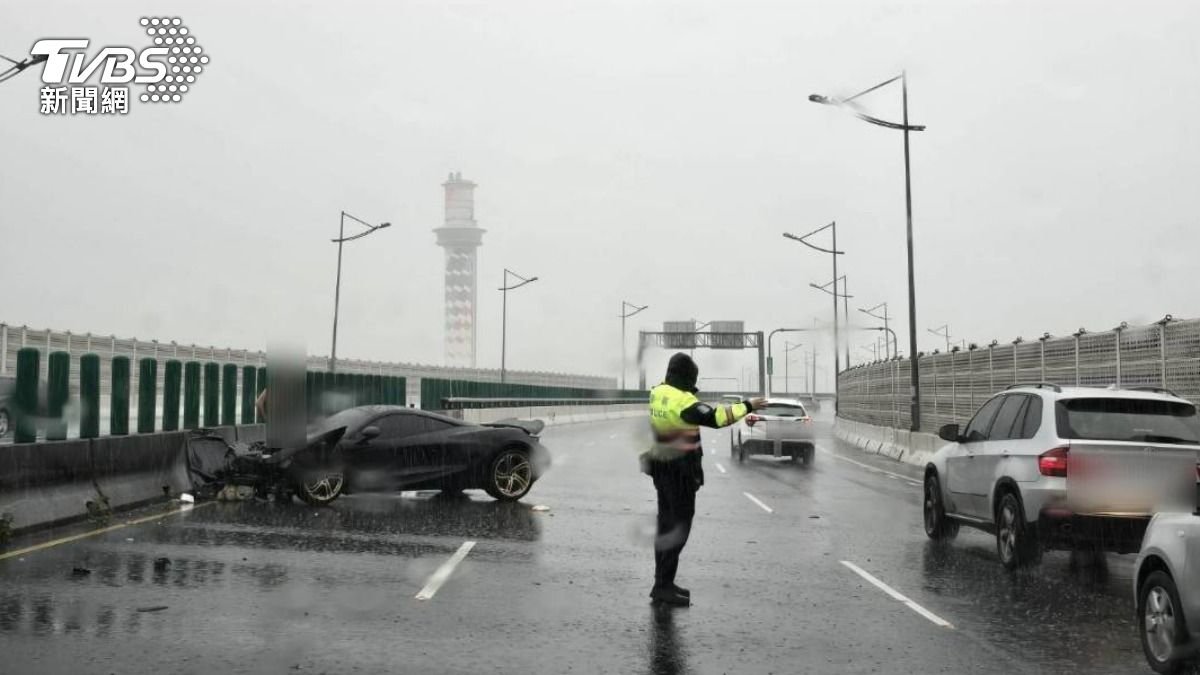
(676, 507)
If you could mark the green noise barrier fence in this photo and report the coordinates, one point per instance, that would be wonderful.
(207, 393)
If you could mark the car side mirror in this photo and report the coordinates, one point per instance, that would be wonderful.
(949, 432)
(370, 433)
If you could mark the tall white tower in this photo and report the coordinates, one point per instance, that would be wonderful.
(460, 236)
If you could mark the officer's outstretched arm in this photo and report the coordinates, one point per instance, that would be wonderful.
(706, 415)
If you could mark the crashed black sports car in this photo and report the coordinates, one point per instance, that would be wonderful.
(382, 448)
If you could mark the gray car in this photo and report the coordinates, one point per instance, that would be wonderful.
(1166, 591)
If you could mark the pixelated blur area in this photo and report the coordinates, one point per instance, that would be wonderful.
(285, 405)
(1124, 478)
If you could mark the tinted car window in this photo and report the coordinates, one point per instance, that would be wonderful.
(399, 425)
(1007, 418)
(1125, 419)
(1033, 417)
(978, 428)
(782, 410)
(353, 419)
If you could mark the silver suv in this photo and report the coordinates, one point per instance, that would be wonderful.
(1043, 466)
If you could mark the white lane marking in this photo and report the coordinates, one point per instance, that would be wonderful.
(868, 467)
(719, 467)
(896, 595)
(443, 573)
(758, 501)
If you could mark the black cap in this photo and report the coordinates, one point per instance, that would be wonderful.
(682, 372)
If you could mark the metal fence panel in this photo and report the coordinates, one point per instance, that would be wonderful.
(954, 385)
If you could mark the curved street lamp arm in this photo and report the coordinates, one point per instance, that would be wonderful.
(524, 281)
(826, 290)
(636, 309)
(803, 240)
(370, 228)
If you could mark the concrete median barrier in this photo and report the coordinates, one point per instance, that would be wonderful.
(899, 444)
(134, 470)
(43, 484)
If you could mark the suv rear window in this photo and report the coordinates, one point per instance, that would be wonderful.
(782, 410)
(1128, 419)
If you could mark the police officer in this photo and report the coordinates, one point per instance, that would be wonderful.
(676, 416)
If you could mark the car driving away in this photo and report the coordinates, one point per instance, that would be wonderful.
(781, 429)
(380, 448)
(1070, 468)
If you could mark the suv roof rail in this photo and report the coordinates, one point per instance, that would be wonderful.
(1035, 385)
(1156, 390)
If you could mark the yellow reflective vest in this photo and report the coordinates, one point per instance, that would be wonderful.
(673, 436)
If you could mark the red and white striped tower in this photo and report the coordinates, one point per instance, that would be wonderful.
(460, 236)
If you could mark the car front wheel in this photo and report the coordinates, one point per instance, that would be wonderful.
(740, 453)
(319, 489)
(1161, 623)
(1015, 541)
(510, 475)
(937, 526)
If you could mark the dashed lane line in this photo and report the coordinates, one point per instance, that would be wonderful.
(443, 573)
(719, 467)
(868, 467)
(758, 501)
(897, 595)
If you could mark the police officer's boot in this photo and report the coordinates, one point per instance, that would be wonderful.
(682, 591)
(668, 596)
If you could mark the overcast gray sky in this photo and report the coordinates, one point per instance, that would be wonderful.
(649, 151)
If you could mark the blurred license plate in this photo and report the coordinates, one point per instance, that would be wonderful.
(1130, 479)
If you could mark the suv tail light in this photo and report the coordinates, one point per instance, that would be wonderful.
(751, 419)
(1054, 462)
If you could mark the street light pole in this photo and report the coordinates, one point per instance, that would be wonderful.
(942, 331)
(771, 359)
(834, 253)
(625, 314)
(337, 288)
(504, 289)
(787, 349)
(869, 312)
(914, 375)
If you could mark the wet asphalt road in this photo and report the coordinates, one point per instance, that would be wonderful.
(269, 588)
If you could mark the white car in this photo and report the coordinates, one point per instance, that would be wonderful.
(782, 429)
(1166, 591)
(1043, 466)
